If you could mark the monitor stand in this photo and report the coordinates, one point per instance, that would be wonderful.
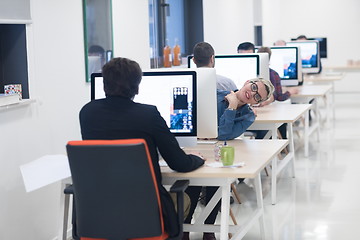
(187, 141)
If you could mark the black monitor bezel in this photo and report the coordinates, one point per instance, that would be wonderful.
(92, 82)
(322, 46)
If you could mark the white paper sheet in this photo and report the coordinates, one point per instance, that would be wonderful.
(162, 163)
(44, 171)
(220, 165)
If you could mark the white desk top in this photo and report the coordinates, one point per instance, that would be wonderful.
(255, 153)
(343, 68)
(323, 77)
(280, 113)
(312, 91)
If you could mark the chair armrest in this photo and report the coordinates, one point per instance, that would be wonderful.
(179, 186)
(69, 189)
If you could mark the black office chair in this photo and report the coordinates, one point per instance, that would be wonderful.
(116, 192)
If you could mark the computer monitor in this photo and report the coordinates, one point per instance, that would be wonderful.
(286, 61)
(173, 93)
(264, 64)
(323, 45)
(207, 123)
(97, 86)
(310, 55)
(239, 67)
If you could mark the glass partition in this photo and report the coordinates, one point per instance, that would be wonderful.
(97, 34)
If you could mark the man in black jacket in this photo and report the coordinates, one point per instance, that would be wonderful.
(118, 117)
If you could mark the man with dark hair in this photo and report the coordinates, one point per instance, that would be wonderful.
(246, 47)
(204, 56)
(301, 37)
(118, 117)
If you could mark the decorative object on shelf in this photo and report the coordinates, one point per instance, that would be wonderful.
(12, 89)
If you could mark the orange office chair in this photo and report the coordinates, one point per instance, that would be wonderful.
(116, 192)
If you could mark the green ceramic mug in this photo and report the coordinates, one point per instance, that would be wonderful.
(227, 155)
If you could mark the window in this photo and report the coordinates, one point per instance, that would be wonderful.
(98, 35)
(174, 22)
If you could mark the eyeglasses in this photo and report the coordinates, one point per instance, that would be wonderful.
(255, 88)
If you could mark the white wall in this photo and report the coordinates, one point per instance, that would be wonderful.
(228, 23)
(57, 82)
(338, 20)
(131, 30)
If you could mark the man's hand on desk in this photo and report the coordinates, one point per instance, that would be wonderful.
(197, 154)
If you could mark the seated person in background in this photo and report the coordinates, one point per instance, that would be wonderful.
(278, 95)
(301, 37)
(96, 59)
(234, 117)
(204, 56)
(118, 117)
(246, 47)
(280, 43)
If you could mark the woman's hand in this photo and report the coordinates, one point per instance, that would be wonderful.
(232, 99)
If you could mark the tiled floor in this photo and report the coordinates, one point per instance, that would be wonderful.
(323, 201)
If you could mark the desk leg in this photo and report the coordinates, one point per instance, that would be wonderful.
(333, 103)
(327, 99)
(306, 134)
(292, 147)
(225, 209)
(318, 120)
(260, 204)
(274, 173)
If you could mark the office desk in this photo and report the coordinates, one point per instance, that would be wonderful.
(310, 92)
(319, 78)
(270, 118)
(256, 154)
(326, 79)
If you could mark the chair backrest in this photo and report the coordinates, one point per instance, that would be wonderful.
(115, 189)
